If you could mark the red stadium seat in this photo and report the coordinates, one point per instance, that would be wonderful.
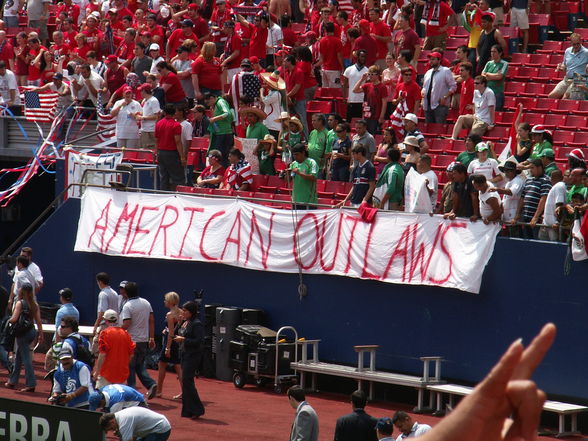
(199, 190)
(583, 109)
(519, 59)
(329, 93)
(538, 60)
(272, 184)
(184, 189)
(326, 201)
(442, 161)
(534, 89)
(258, 181)
(514, 88)
(550, 46)
(512, 71)
(579, 140)
(244, 194)
(544, 74)
(503, 118)
(583, 32)
(319, 107)
(442, 145)
(526, 72)
(575, 122)
(546, 105)
(497, 133)
(563, 152)
(533, 118)
(566, 106)
(529, 104)
(563, 137)
(554, 120)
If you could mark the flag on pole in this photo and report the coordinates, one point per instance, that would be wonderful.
(106, 122)
(397, 117)
(40, 107)
(580, 237)
(511, 145)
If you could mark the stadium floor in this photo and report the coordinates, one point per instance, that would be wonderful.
(249, 414)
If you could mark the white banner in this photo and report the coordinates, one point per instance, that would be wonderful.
(396, 248)
(78, 163)
(416, 195)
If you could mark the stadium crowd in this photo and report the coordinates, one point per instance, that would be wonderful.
(329, 90)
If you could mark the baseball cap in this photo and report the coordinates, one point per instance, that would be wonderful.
(146, 87)
(153, 47)
(482, 146)
(309, 34)
(127, 89)
(193, 6)
(435, 55)
(411, 117)
(145, 34)
(66, 293)
(123, 284)
(364, 24)
(245, 62)
(95, 399)
(187, 23)
(65, 353)
(451, 166)
(58, 76)
(110, 315)
(254, 59)
(111, 59)
(538, 129)
(385, 425)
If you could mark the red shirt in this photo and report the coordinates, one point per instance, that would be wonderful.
(60, 49)
(72, 11)
(7, 53)
(466, 96)
(34, 72)
(165, 131)
(233, 44)
(290, 37)
(381, 29)
(94, 36)
(258, 42)
(406, 40)
(125, 51)
(69, 38)
(119, 347)
(157, 31)
(445, 12)
(368, 43)
(176, 39)
(330, 47)
(209, 73)
(245, 33)
(373, 95)
(293, 78)
(81, 52)
(346, 41)
(176, 92)
(200, 27)
(306, 68)
(411, 92)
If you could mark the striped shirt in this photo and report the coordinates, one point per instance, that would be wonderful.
(534, 190)
(238, 174)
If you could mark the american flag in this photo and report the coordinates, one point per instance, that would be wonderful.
(239, 173)
(397, 117)
(244, 83)
(105, 121)
(40, 107)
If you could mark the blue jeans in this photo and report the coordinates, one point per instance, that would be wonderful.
(24, 356)
(137, 366)
(300, 110)
(156, 437)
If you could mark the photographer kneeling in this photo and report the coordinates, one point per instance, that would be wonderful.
(72, 384)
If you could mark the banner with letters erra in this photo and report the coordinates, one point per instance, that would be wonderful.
(397, 248)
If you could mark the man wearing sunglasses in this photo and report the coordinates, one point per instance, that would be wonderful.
(574, 62)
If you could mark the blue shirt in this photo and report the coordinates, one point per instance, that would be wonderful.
(70, 381)
(119, 396)
(66, 310)
(575, 62)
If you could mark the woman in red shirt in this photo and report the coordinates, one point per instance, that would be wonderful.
(206, 72)
(304, 63)
(170, 83)
(375, 98)
(80, 52)
(20, 66)
(47, 68)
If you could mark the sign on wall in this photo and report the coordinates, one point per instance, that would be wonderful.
(26, 421)
(396, 248)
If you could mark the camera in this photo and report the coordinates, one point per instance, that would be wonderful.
(58, 400)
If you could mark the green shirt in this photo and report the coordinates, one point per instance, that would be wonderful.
(257, 131)
(266, 162)
(222, 126)
(317, 147)
(304, 190)
(393, 177)
(496, 67)
(466, 157)
(576, 189)
(331, 137)
(550, 168)
(538, 149)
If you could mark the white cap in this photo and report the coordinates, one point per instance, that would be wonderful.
(154, 47)
(411, 117)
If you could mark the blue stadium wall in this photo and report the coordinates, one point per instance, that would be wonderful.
(523, 287)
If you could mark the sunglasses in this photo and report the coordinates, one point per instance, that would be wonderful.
(339, 131)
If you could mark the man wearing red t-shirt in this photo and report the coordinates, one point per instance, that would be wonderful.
(92, 33)
(406, 38)
(59, 48)
(259, 31)
(367, 43)
(221, 14)
(70, 10)
(466, 95)
(294, 78)
(375, 98)
(381, 32)
(408, 90)
(342, 21)
(6, 49)
(231, 57)
(438, 15)
(359, 12)
(156, 31)
(178, 36)
(171, 158)
(125, 51)
(201, 28)
(330, 57)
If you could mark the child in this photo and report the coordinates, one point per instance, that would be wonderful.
(341, 154)
(290, 137)
(266, 154)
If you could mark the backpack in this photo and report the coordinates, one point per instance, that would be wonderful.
(24, 323)
(82, 348)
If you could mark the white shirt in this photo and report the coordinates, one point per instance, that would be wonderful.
(353, 76)
(186, 133)
(443, 83)
(138, 422)
(126, 125)
(510, 204)
(432, 185)
(482, 103)
(138, 310)
(8, 83)
(488, 168)
(272, 103)
(11, 8)
(84, 93)
(108, 299)
(154, 63)
(274, 36)
(416, 431)
(150, 107)
(83, 4)
(557, 195)
(485, 208)
(34, 270)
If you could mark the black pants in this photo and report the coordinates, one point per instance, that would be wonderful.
(191, 404)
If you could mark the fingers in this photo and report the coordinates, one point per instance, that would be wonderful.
(527, 404)
(535, 352)
(496, 381)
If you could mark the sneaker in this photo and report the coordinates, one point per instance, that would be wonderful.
(151, 392)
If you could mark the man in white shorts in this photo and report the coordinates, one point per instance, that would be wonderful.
(519, 17)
